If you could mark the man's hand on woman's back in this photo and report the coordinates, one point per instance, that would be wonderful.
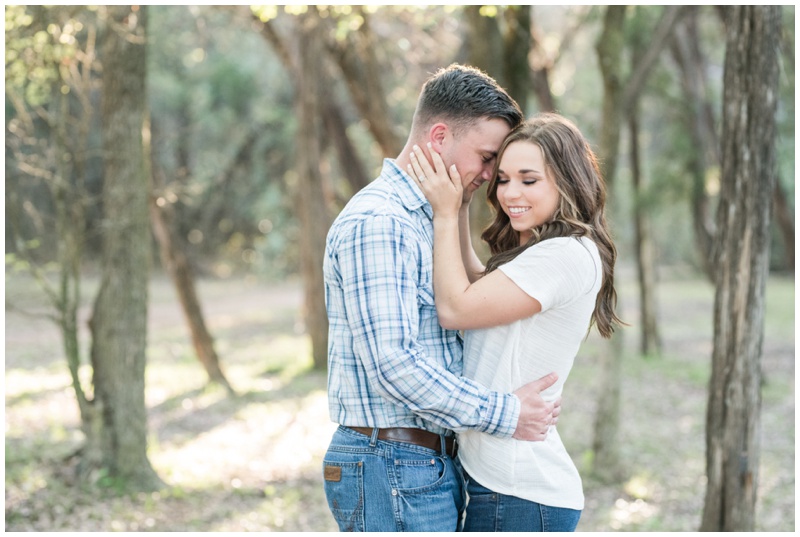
(536, 415)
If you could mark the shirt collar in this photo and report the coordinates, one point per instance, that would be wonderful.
(407, 190)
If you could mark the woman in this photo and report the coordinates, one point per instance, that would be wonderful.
(549, 279)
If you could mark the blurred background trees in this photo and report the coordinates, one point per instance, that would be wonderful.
(220, 98)
(261, 122)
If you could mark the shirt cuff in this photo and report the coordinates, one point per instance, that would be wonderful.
(502, 415)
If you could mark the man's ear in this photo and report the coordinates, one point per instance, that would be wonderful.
(439, 133)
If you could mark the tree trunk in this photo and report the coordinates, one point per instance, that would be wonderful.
(309, 193)
(743, 218)
(700, 127)
(63, 146)
(119, 319)
(483, 43)
(618, 96)
(176, 264)
(784, 212)
(783, 218)
(606, 465)
(645, 256)
(650, 344)
(351, 164)
(356, 56)
(517, 44)
(609, 54)
(540, 71)
(483, 49)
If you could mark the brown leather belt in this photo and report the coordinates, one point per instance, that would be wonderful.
(418, 437)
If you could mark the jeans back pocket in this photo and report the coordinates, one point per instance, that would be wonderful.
(344, 489)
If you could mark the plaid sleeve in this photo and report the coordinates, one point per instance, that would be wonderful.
(380, 265)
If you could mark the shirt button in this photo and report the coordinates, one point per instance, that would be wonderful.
(394, 492)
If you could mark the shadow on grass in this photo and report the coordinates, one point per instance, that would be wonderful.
(59, 506)
(42, 493)
(190, 423)
(33, 396)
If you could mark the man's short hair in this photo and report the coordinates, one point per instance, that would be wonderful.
(461, 95)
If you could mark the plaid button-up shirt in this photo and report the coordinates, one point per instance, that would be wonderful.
(390, 364)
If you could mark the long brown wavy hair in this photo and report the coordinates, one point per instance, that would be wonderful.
(580, 212)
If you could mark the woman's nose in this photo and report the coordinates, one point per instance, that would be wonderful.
(511, 191)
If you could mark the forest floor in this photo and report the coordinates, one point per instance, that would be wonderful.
(253, 462)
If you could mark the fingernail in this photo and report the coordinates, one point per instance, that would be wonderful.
(429, 144)
(416, 147)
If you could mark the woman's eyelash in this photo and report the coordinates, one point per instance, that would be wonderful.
(501, 180)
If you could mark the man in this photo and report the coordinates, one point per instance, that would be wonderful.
(394, 382)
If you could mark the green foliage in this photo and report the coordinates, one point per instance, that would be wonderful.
(40, 42)
(30, 57)
(109, 483)
(221, 106)
(14, 263)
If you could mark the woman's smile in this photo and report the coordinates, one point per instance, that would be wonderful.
(516, 212)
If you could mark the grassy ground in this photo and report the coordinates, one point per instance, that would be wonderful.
(253, 462)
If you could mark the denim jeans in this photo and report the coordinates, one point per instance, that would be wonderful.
(378, 485)
(490, 511)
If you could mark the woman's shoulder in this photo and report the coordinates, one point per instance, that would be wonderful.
(556, 270)
(570, 253)
(566, 245)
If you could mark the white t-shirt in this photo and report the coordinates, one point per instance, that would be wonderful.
(564, 275)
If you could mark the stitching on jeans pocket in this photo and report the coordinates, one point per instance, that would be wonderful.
(346, 493)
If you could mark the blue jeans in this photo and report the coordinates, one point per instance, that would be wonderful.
(377, 485)
(490, 511)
